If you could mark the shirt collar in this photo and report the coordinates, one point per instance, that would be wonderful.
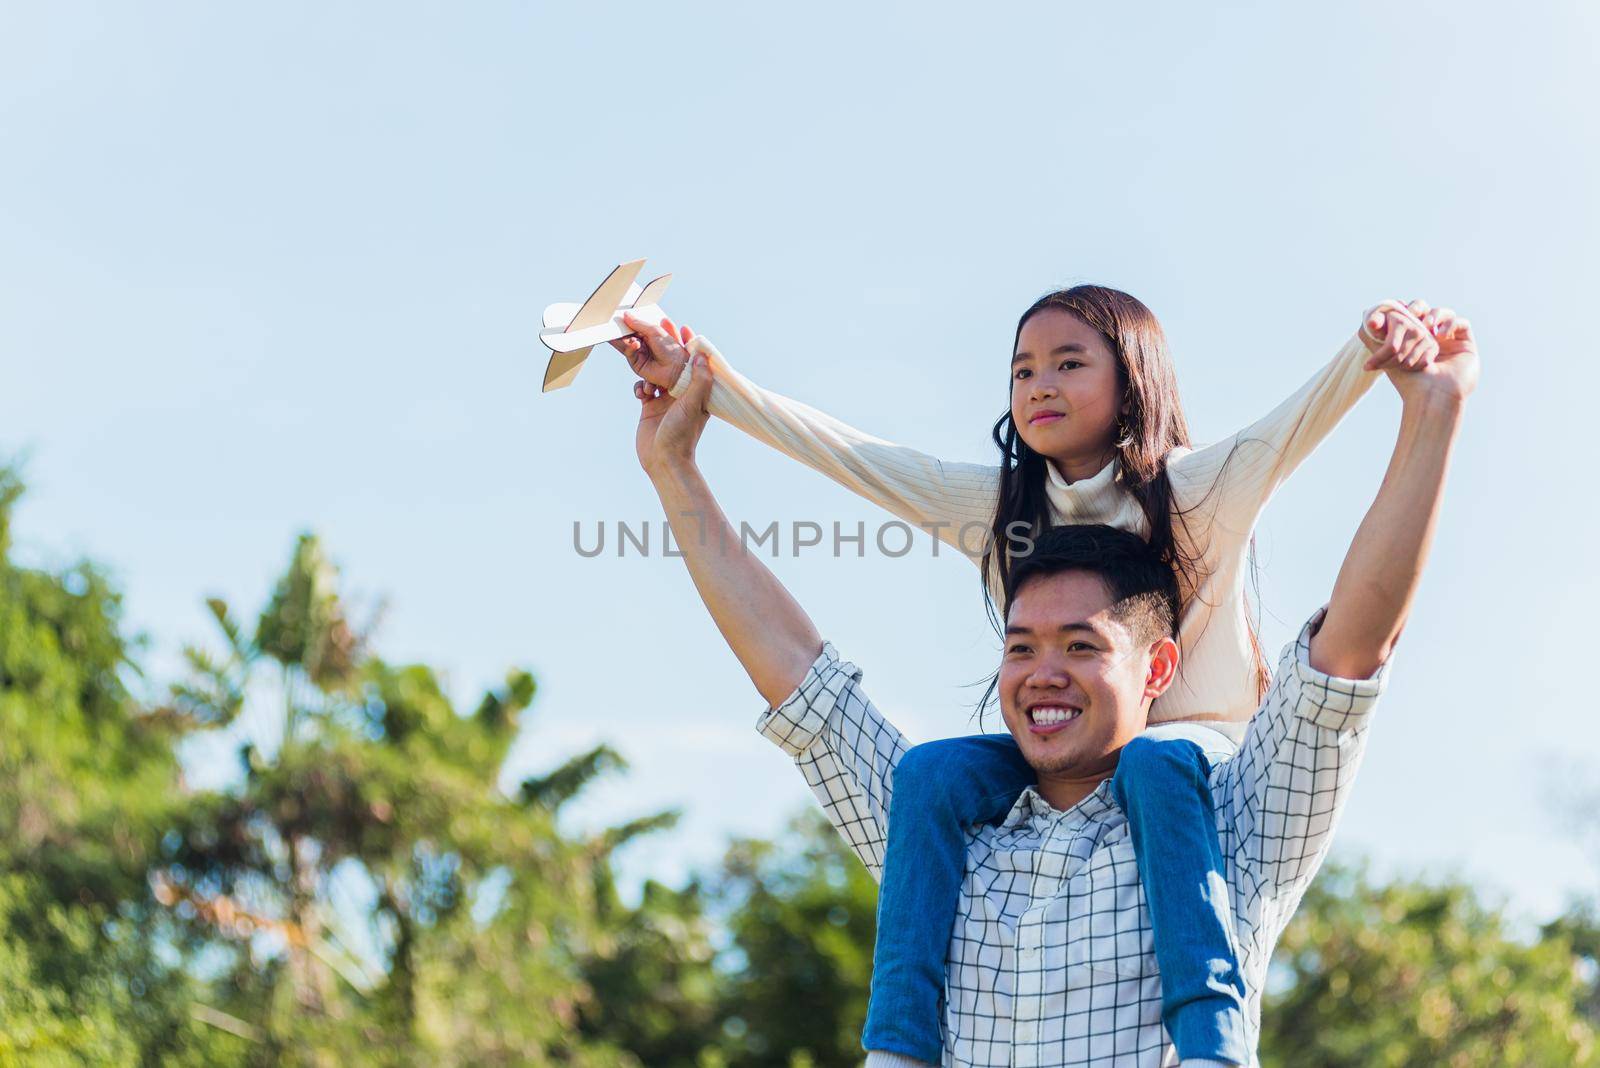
(1032, 808)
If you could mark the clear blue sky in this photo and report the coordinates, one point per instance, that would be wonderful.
(280, 268)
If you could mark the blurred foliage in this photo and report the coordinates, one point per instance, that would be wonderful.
(367, 894)
(86, 785)
(1413, 973)
(802, 915)
(362, 892)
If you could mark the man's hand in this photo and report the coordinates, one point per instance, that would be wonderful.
(1378, 581)
(670, 427)
(656, 352)
(1453, 374)
(764, 626)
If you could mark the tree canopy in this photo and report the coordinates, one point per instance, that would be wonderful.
(361, 891)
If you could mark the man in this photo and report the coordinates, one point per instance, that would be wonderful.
(1050, 961)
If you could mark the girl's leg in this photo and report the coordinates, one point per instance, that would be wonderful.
(940, 789)
(1163, 786)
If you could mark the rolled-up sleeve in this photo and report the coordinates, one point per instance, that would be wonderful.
(1292, 776)
(845, 749)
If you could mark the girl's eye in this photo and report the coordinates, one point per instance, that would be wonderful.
(1022, 373)
(1080, 647)
(1017, 649)
(1067, 365)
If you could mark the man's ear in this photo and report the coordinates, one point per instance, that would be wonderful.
(1163, 667)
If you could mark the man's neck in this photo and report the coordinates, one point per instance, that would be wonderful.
(1061, 791)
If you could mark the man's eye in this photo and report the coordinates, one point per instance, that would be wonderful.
(1080, 647)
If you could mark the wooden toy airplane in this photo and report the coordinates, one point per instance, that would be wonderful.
(571, 330)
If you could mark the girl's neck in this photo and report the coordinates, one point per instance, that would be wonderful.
(1076, 468)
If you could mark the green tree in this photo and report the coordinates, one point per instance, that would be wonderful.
(1414, 973)
(801, 914)
(1580, 928)
(366, 894)
(87, 782)
(652, 986)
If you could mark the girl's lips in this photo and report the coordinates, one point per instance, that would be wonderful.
(1046, 417)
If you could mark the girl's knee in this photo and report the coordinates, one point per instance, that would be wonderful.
(959, 773)
(1145, 759)
(927, 770)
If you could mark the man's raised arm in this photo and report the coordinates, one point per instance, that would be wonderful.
(1378, 580)
(763, 624)
(1293, 774)
(817, 711)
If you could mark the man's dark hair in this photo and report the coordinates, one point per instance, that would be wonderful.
(1144, 590)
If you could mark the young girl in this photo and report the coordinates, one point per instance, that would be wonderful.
(1094, 433)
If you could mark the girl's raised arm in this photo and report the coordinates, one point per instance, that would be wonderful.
(953, 501)
(1229, 482)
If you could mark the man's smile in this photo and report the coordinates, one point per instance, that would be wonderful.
(1051, 717)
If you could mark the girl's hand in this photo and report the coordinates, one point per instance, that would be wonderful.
(1396, 336)
(657, 353)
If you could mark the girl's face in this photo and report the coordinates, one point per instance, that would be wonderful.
(1066, 394)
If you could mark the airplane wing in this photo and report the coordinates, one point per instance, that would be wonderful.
(566, 339)
(603, 302)
(560, 314)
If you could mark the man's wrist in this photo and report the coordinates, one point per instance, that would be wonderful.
(674, 470)
(1433, 404)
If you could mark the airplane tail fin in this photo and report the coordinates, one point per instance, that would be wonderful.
(653, 292)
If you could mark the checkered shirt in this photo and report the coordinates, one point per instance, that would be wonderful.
(1051, 961)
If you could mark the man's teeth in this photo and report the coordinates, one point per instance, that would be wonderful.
(1045, 715)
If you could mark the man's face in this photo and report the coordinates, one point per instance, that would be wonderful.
(1075, 684)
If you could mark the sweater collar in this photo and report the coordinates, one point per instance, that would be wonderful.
(1096, 499)
(1096, 481)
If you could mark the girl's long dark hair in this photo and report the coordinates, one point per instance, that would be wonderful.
(1152, 426)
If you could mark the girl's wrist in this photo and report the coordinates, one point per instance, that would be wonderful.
(682, 381)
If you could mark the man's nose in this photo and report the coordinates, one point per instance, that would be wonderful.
(1049, 673)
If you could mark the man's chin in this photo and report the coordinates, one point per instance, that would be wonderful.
(1053, 763)
(1049, 753)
